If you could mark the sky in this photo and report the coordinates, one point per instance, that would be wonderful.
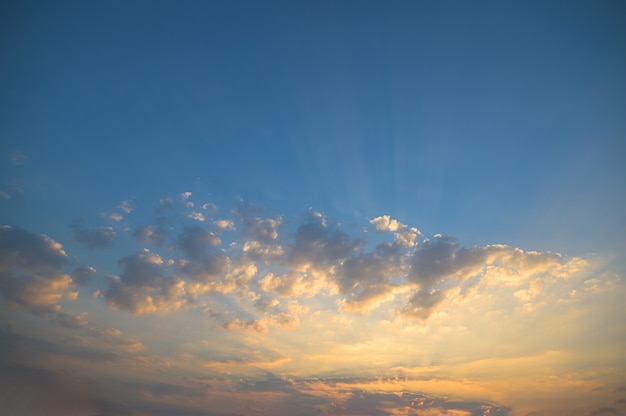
(313, 208)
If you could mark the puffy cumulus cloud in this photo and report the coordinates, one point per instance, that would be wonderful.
(202, 263)
(404, 234)
(153, 234)
(441, 257)
(195, 241)
(271, 258)
(31, 274)
(303, 284)
(319, 245)
(365, 280)
(228, 278)
(256, 250)
(224, 224)
(441, 269)
(262, 230)
(143, 286)
(22, 249)
(260, 235)
(94, 237)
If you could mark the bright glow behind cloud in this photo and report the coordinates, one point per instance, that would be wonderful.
(313, 303)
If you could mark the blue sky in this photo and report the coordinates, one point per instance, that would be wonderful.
(255, 176)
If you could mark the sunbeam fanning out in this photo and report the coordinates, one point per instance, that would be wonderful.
(312, 208)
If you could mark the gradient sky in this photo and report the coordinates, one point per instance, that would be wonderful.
(313, 208)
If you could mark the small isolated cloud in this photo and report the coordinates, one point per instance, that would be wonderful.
(224, 224)
(31, 274)
(263, 230)
(126, 206)
(94, 237)
(185, 198)
(4, 195)
(198, 216)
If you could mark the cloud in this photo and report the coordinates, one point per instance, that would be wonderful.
(365, 279)
(115, 216)
(67, 320)
(311, 257)
(94, 237)
(83, 274)
(31, 274)
(422, 303)
(126, 206)
(202, 263)
(155, 234)
(195, 241)
(224, 224)
(143, 286)
(197, 216)
(404, 235)
(319, 245)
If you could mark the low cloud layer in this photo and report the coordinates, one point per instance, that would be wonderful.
(248, 256)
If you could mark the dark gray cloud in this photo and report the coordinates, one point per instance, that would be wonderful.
(24, 250)
(144, 286)
(441, 257)
(423, 303)
(150, 234)
(31, 274)
(83, 274)
(94, 237)
(202, 263)
(319, 244)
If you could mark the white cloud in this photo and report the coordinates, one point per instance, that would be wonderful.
(198, 216)
(224, 224)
